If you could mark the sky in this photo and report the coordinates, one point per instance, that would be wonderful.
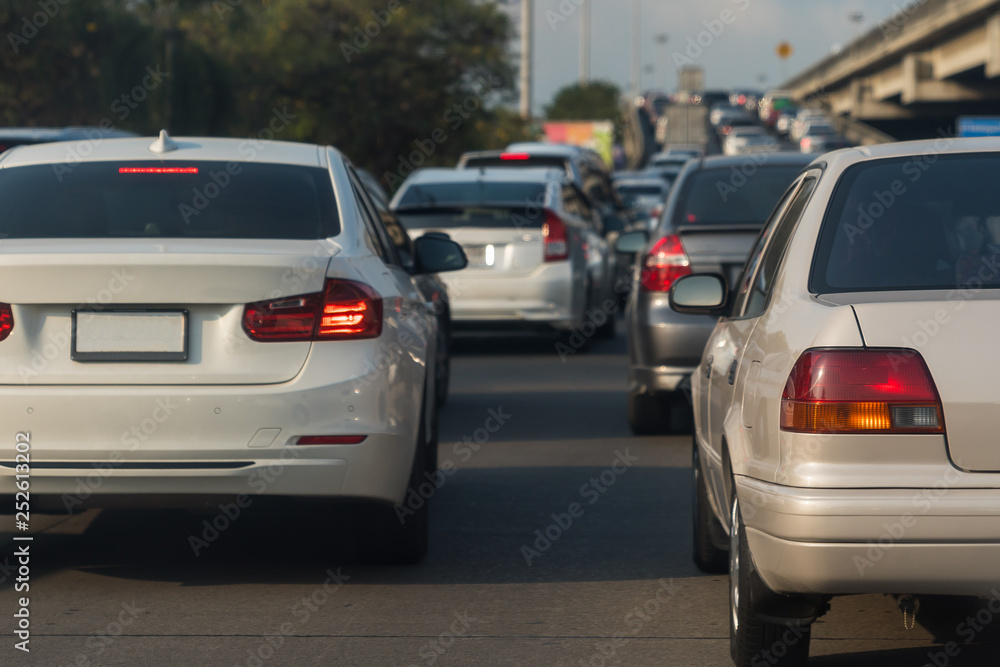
(743, 51)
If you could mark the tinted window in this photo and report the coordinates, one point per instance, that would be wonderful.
(912, 223)
(205, 200)
(634, 190)
(531, 161)
(492, 218)
(479, 192)
(721, 196)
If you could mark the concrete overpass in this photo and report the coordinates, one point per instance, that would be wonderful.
(914, 73)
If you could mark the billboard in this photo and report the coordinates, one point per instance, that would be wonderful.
(598, 135)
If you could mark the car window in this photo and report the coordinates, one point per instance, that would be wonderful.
(904, 224)
(716, 196)
(477, 192)
(774, 251)
(372, 222)
(189, 199)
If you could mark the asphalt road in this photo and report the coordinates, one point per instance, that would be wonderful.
(125, 587)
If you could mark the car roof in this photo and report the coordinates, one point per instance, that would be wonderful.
(475, 174)
(187, 149)
(540, 148)
(781, 158)
(47, 134)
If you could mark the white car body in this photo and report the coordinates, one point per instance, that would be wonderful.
(226, 420)
(888, 511)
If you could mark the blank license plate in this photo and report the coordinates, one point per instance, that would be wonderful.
(130, 335)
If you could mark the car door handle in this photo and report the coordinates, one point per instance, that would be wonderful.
(732, 372)
(708, 367)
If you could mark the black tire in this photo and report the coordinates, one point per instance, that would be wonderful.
(708, 535)
(607, 330)
(648, 414)
(398, 534)
(753, 642)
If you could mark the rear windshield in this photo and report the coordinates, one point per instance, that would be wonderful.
(532, 161)
(479, 192)
(632, 190)
(517, 217)
(912, 223)
(728, 197)
(229, 200)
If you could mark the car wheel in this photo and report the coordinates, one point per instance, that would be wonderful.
(397, 534)
(752, 641)
(708, 531)
(648, 414)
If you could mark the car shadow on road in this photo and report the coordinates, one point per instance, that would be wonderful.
(507, 525)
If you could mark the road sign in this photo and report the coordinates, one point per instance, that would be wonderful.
(784, 50)
(979, 126)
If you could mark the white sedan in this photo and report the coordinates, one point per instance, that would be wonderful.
(845, 405)
(194, 322)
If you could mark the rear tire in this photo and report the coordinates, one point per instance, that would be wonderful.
(752, 641)
(398, 534)
(648, 414)
(708, 531)
(607, 330)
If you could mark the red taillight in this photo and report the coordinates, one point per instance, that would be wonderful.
(157, 170)
(331, 439)
(806, 142)
(514, 156)
(345, 310)
(861, 391)
(6, 320)
(555, 238)
(665, 262)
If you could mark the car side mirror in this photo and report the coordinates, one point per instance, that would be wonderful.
(700, 294)
(437, 255)
(632, 242)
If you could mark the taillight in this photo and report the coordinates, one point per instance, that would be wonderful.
(555, 239)
(6, 320)
(665, 262)
(878, 390)
(806, 143)
(344, 310)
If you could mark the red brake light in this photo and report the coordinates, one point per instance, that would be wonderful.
(514, 156)
(555, 238)
(345, 310)
(331, 439)
(157, 170)
(861, 391)
(665, 262)
(6, 320)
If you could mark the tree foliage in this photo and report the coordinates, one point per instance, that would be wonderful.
(596, 100)
(389, 82)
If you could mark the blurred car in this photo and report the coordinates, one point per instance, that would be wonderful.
(742, 144)
(803, 119)
(537, 260)
(820, 138)
(783, 126)
(582, 165)
(667, 159)
(268, 326)
(723, 110)
(27, 136)
(644, 196)
(666, 173)
(713, 213)
(737, 123)
(432, 288)
(845, 403)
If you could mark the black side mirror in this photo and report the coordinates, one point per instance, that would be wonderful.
(437, 255)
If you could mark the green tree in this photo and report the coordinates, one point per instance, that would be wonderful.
(597, 100)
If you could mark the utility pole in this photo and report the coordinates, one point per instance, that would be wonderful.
(636, 26)
(527, 24)
(584, 42)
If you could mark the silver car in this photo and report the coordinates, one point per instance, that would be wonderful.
(846, 401)
(712, 215)
(536, 258)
